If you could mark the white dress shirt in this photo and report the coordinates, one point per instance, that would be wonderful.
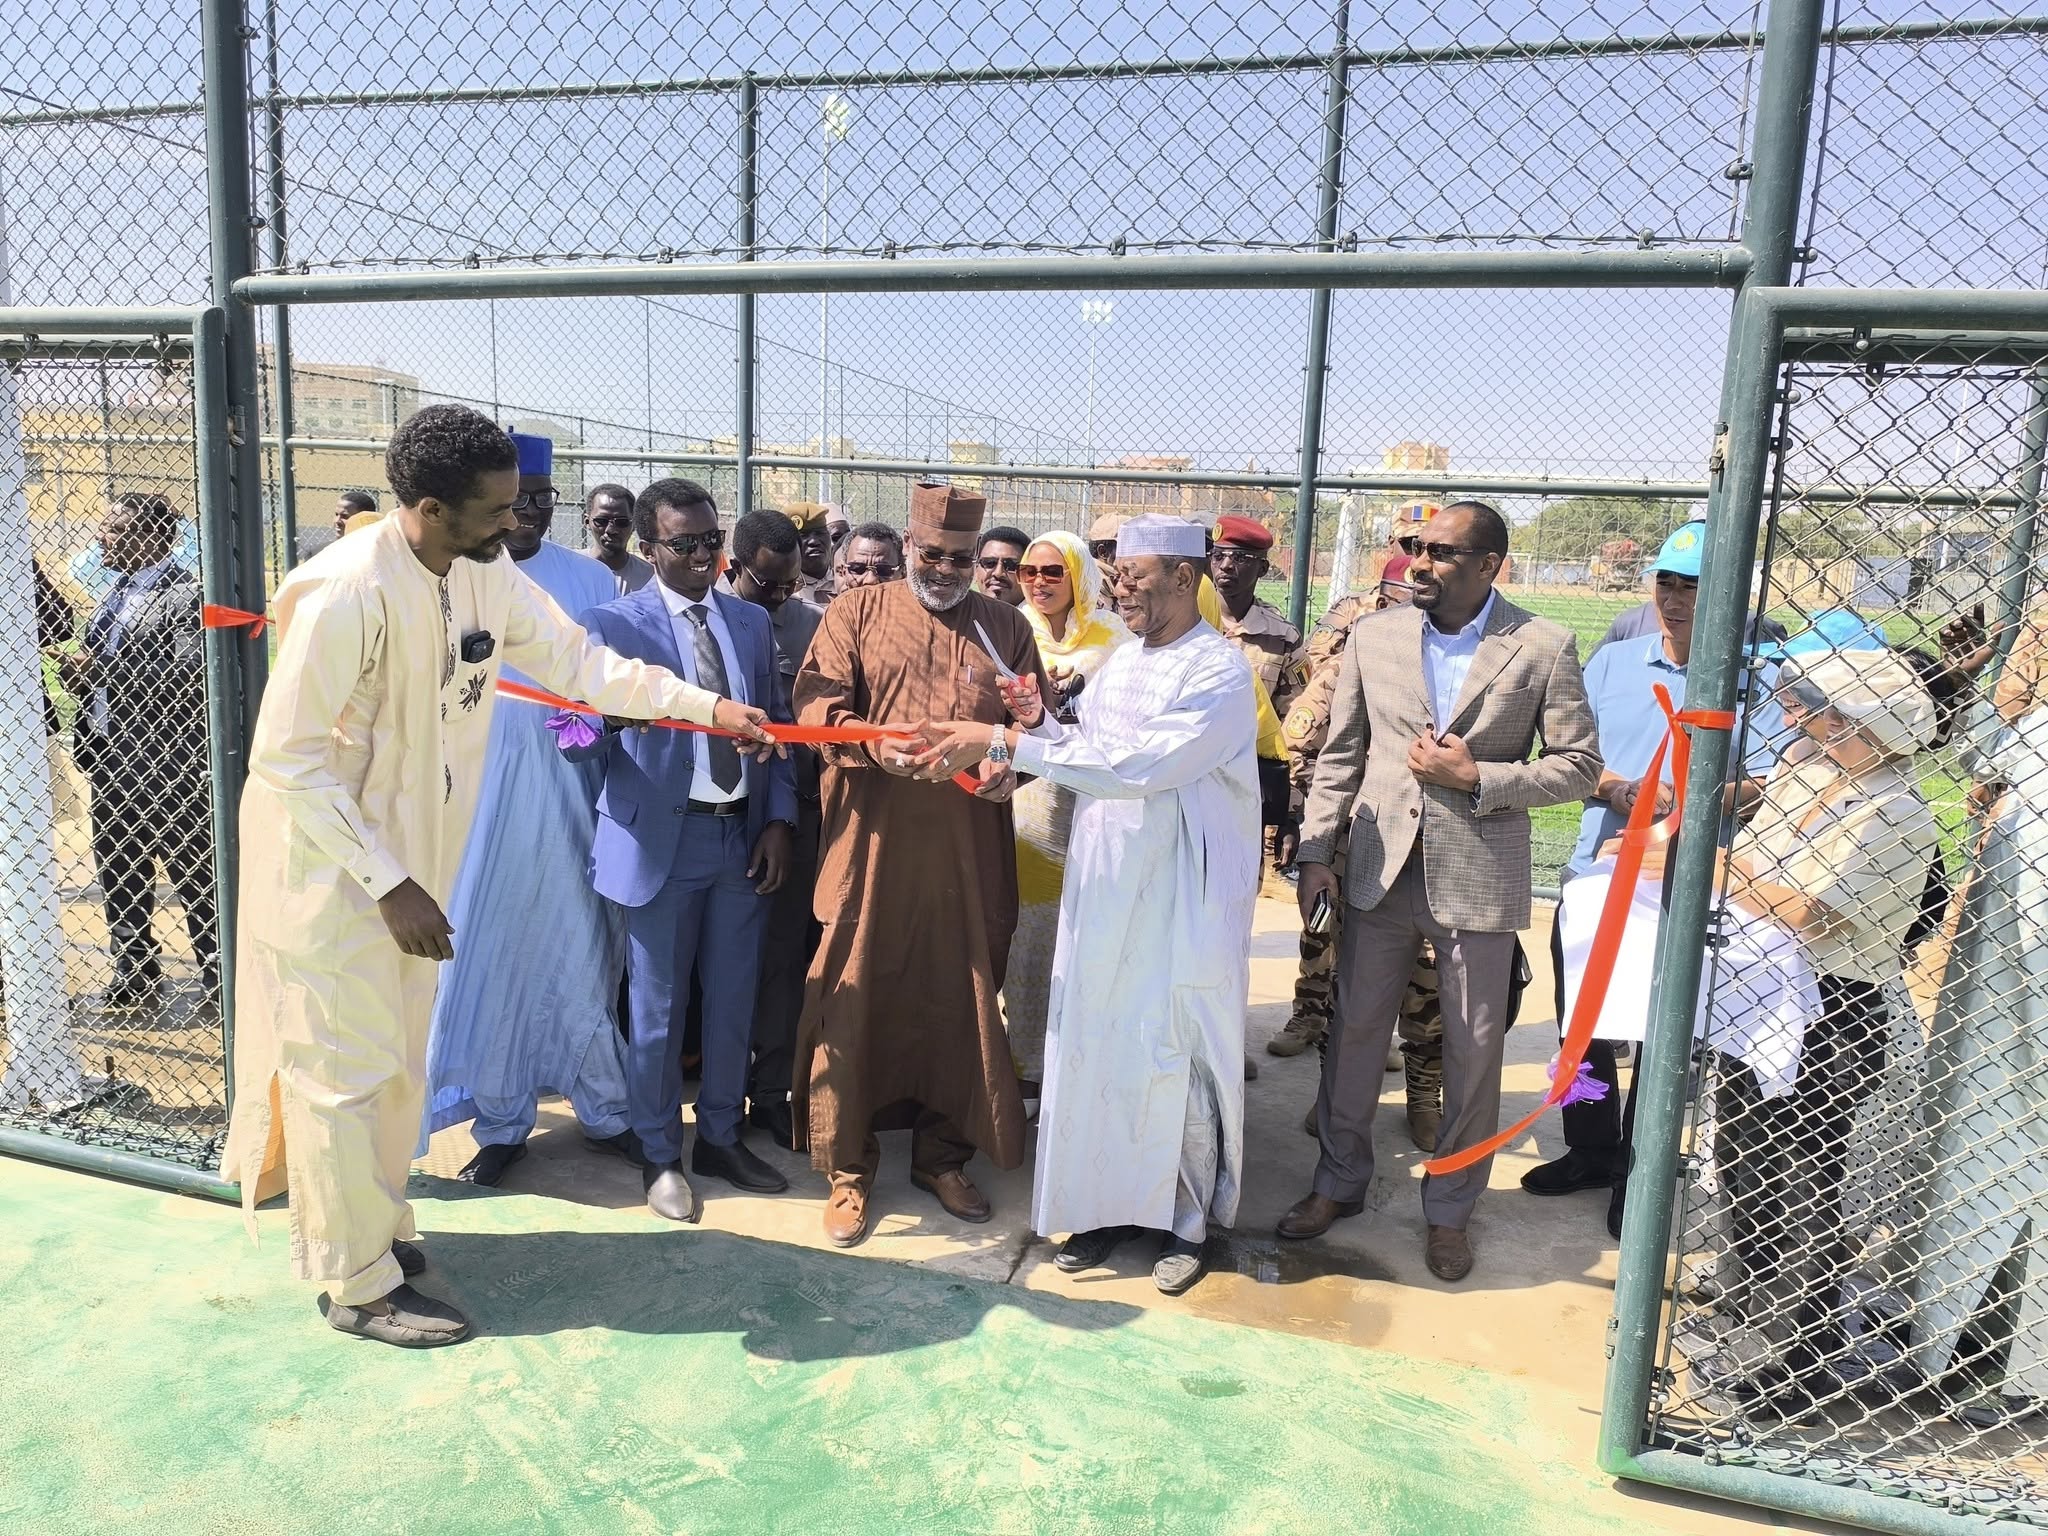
(1447, 661)
(702, 785)
(136, 588)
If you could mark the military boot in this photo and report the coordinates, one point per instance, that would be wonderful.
(1424, 1068)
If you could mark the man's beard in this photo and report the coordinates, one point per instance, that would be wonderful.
(935, 602)
(484, 554)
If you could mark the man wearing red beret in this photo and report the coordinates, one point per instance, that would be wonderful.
(1237, 564)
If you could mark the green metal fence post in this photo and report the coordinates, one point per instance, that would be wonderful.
(2017, 572)
(224, 38)
(743, 393)
(227, 758)
(281, 321)
(1784, 113)
(1317, 365)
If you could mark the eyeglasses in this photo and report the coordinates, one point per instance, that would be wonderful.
(771, 588)
(613, 520)
(960, 562)
(1230, 554)
(993, 563)
(1042, 572)
(690, 543)
(1440, 553)
(536, 501)
(1103, 549)
(877, 568)
(1409, 544)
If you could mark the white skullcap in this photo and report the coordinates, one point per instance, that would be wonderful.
(1162, 536)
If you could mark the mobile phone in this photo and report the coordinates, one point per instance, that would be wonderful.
(1319, 916)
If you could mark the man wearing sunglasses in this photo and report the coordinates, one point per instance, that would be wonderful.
(997, 554)
(515, 1020)
(693, 839)
(1438, 707)
(917, 881)
(871, 555)
(766, 571)
(608, 513)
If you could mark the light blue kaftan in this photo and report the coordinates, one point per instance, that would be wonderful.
(528, 1006)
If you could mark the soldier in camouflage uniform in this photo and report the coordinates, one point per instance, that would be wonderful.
(1421, 1030)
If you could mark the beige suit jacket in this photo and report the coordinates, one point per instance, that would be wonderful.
(1524, 683)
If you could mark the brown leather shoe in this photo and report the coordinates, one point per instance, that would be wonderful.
(1448, 1253)
(1311, 1215)
(1423, 1126)
(956, 1192)
(846, 1212)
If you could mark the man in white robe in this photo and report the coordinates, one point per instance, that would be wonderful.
(515, 1019)
(362, 779)
(1142, 1121)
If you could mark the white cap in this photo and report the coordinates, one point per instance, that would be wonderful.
(1162, 536)
(1878, 690)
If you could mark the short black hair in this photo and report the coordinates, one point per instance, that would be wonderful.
(1003, 533)
(360, 501)
(877, 533)
(150, 510)
(673, 492)
(617, 492)
(1489, 528)
(764, 529)
(441, 451)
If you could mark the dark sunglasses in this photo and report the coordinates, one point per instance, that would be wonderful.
(999, 563)
(770, 588)
(1042, 572)
(1410, 544)
(612, 520)
(960, 562)
(1230, 554)
(1103, 549)
(690, 543)
(1439, 553)
(880, 568)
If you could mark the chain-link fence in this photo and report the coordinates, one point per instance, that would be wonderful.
(110, 928)
(1857, 1299)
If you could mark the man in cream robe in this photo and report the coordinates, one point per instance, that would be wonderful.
(362, 779)
(1142, 1123)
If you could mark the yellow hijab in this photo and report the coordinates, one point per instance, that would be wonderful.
(1093, 629)
(1271, 743)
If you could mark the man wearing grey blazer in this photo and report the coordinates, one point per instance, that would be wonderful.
(1436, 711)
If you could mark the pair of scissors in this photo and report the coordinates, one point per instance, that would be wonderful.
(989, 646)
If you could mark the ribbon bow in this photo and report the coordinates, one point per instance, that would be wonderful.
(1637, 838)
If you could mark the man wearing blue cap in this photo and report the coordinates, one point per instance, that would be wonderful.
(517, 1018)
(1639, 623)
(1620, 679)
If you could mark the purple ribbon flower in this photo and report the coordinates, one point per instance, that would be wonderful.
(572, 730)
(1585, 1087)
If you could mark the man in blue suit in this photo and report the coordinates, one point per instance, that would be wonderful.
(693, 837)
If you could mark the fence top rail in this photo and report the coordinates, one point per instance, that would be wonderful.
(1506, 50)
(2017, 317)
(98, 323)
(1674, 267)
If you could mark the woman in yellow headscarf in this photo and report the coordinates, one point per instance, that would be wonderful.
(1076, 632)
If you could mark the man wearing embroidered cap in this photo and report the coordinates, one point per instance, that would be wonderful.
(917, 881)
(1143, 1118)
(514, 1019)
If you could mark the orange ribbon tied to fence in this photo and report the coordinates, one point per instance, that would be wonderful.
(214, 616)
(1641, 833)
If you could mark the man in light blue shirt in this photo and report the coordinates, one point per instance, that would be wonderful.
(1447, 660)
(1621, 678)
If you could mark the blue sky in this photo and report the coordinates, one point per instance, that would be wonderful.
(1928, 174)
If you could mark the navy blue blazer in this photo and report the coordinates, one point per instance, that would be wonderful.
(647, 773)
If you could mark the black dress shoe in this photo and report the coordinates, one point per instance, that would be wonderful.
(625, 1145)
(669, 1193)
(410, 1260)
(737, 1165)
(1615, 1202)
(490, 1163)
(138, 983)
(1569, 1174)
(1088, 1250)
(773, 1116)
(403, 1317)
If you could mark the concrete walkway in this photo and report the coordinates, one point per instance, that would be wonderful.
(741, 1376)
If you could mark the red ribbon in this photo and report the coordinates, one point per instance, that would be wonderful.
(1636, 839)
(214, 616)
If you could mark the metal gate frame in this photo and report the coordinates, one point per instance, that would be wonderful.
(202, 332)
(1772, 323)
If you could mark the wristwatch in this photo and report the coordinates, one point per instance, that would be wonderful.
(998, 746)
